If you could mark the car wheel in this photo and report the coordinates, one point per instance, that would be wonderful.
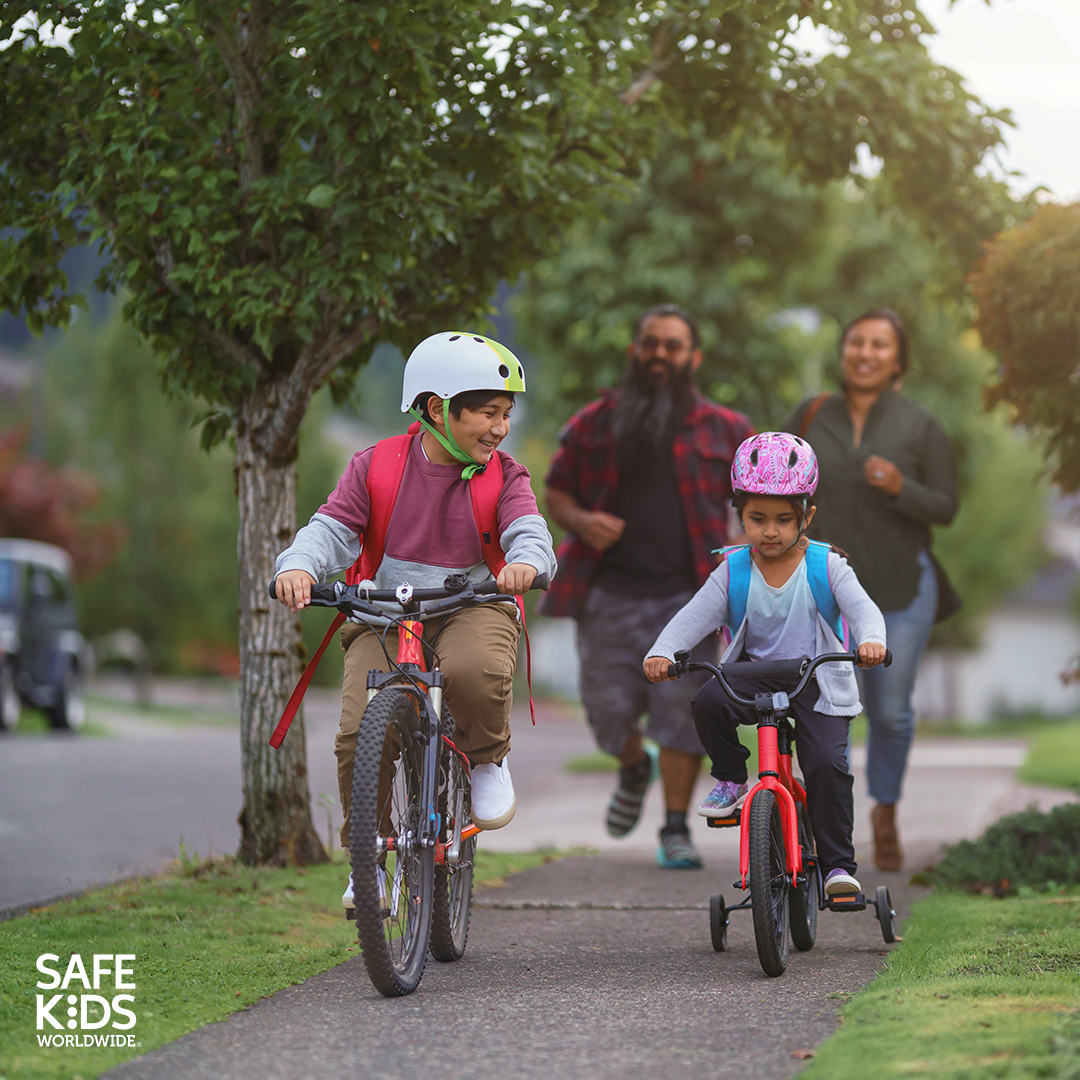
(69, 713)
(10, 703)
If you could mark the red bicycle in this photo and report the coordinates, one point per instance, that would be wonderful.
(777, 858)
(412, 838)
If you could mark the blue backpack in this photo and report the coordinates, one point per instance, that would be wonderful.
(817, 575)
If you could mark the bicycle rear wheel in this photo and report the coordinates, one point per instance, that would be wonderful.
(452, 906)
(768, 883)
(803, 904)
(392, 872)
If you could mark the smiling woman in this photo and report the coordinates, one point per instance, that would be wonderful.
(887, 475)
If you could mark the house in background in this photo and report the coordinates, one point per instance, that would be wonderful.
(1027, 641)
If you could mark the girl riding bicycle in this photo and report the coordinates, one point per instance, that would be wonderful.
(461, 389)
(781, 598)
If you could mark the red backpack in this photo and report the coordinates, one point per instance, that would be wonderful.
(383, 484)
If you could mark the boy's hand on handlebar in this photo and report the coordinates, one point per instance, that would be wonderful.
(294, 588)
(656, 668)
(515, 578)
(871, 654)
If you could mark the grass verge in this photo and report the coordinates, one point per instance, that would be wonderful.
(980, 988)
(1054, 757)
(209, 938)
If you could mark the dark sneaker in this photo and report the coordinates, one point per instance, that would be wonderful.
(624, 809)
(677, 851)
(840, 883)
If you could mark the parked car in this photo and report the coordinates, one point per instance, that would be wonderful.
(43, 657)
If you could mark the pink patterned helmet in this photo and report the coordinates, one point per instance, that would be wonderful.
(775, 463)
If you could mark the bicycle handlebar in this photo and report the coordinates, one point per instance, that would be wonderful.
(801, 668)
(456, 590)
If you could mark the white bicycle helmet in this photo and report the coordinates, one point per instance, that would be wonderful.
(453, 362)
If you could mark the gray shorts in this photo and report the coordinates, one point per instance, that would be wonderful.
(614, 636)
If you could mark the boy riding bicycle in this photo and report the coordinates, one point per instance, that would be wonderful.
(461, 390)
(781, 597)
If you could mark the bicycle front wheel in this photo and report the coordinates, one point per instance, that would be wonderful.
(452, 907)
(768, 883)
(392, 872)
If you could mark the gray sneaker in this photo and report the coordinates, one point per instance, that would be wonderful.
(677, 852)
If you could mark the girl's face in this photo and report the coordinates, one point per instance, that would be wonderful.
(870, 355)
(478, 431)
(772, 524)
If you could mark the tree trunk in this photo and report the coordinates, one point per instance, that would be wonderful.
(275, 823)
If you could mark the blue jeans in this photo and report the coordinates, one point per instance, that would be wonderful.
(887, 690)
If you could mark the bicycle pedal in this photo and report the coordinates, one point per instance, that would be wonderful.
(846, 902)
(350, 914)
(724, 822)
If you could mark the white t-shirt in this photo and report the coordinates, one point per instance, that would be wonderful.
(781, 622)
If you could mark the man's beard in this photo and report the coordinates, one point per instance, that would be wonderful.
(651, 408)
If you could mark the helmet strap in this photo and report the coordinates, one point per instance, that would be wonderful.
(448, 442)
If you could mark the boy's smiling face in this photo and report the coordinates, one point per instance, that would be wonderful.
(772, 523)
(478, 431)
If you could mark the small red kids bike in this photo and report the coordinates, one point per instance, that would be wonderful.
(777, 858)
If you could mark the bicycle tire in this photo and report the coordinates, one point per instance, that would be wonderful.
(392, 889)
(886, 915)
(803, 901)
(718, 923)
(452, 898)
(768, 883)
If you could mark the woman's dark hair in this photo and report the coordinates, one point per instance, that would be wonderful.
(667, 311)
(894, 320)
(799, 503)
(467, 399)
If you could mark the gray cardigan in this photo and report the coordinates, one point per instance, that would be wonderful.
(707, 609)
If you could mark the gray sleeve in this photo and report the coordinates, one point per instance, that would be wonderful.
(863, 616)
(323, 547)
(931, 500)
(693, 622)
(527, 539)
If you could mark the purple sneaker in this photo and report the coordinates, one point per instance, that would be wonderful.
(840, 883)
(724, 799)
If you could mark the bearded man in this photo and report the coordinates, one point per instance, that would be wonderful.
(641, 484)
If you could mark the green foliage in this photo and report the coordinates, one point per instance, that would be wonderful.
(174, 579)
(1053, 757)
(979, 988)
(1028, 291)
(1030, 849)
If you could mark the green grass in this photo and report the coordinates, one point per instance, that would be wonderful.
(209, 938)
(35, 722)
(1054, 756)
(980, 988)
(170, 714)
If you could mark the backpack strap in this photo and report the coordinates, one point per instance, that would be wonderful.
(385, 470)
(738, 561)
(484, 489)
(817, 576)
(811, 412)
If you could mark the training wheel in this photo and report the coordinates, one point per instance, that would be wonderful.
(718, 923)
(886, 915)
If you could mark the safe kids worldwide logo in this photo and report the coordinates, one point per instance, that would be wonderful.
(92, 1005)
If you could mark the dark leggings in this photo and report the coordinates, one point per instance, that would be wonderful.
(821, 745)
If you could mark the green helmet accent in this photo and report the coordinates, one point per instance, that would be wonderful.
(453, 363)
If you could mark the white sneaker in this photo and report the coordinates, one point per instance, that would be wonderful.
(493, 801)
(347, 901)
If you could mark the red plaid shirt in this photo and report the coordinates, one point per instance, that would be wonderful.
(585, 466)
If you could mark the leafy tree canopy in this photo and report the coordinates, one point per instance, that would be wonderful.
(1028, 292)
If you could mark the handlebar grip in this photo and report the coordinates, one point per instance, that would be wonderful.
(326, 593)
(672, 671)
(888, 658)
(273, 589)
(541, 581)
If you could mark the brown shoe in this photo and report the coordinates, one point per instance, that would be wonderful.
(887, 853)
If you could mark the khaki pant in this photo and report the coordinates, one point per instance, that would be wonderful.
(477, 650)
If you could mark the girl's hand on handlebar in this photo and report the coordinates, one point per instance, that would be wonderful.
(656, 668)
(294, 588)
(515, 578)
(871, 654)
